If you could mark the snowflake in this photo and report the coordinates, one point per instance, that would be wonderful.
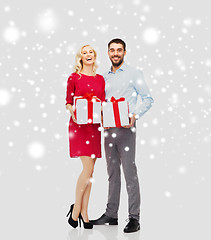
(155, 121)
(154, 141)
(105, 134)
(168, 194)
(136, 2)
(71, 134)
(11, 34)
(151, 36)
(100, 129)
(127, 149)
(70, 13)
(44, 115)
(84, 33)
(5, 97)
(10, 144)
(43, 130)
(182, 170)
(36, 150)
(113, 135)
(47, 21)
(133, 129)
(38, 168)
(16, 123)
(7, 8)
(92, 180)
(188, 22)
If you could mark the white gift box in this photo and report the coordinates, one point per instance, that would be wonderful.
(87, 110)
(115, 116)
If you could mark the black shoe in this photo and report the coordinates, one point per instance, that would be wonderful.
(105, 219)
(72, 222)
(132, 226)
(87, 225)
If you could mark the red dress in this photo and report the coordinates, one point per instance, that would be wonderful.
(84, 139)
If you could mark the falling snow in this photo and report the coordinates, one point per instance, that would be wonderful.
(36, 150)
(47, 21)
(151, 35)
(127, 149)
(5, 97)
(170, 43)
(11, 34)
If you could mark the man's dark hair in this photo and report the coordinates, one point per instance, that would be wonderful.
(117, 40)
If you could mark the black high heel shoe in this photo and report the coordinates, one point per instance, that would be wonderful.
(87, 225)
(72, 222)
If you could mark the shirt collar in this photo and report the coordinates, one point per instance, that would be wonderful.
(122, 68)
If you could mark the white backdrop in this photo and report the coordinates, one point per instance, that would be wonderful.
(170, 42)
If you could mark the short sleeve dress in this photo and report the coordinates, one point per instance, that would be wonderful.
(84, 139)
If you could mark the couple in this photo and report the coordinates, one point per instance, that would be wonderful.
(85, 140)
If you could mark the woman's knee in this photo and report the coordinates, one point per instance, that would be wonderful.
(88, 165)
(89, 170)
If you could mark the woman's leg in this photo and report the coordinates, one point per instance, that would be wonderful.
(83, 180)
(85, 199)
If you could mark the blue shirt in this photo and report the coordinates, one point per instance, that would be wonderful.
(128, 82)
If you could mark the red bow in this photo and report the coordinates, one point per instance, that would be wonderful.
(89, 97)
(114, 100)
(116, 110)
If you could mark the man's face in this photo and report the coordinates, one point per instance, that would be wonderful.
(116, 54)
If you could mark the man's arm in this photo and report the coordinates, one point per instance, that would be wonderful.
(142, 90)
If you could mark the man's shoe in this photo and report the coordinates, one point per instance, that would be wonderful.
(105, 219)
(132, 226)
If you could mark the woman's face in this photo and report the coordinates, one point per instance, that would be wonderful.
(87, 55)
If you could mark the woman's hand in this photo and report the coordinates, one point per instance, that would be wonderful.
(71, 109)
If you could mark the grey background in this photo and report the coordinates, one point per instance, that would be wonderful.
(170, 42)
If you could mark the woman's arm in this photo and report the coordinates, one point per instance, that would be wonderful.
(69, 96)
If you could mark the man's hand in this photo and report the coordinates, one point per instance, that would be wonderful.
(132, 121)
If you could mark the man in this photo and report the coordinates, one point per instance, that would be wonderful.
(123, 81)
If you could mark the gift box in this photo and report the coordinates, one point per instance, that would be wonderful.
(87, 109)
(115, 113)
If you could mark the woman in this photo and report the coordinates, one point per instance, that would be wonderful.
(84, 140)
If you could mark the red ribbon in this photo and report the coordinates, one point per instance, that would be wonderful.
(116, 110)
(113, 99)
(89, 97)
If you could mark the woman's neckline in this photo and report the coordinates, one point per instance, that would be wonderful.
(87, 75)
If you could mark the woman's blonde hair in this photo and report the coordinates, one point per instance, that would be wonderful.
(79, 64)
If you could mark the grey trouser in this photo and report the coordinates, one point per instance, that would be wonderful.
(120, 149)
